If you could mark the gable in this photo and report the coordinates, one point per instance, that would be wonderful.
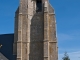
(2, 57)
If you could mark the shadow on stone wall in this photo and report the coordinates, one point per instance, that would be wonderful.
(36, 37)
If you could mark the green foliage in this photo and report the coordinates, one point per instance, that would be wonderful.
(66, 57)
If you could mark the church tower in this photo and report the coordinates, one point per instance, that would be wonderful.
(35, 31)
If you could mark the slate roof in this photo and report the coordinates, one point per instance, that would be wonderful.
(7, 46)
(2, 57)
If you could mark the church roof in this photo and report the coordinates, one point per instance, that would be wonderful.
(6, 43)
(2, 57)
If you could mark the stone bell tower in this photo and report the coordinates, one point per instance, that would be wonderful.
(35, 31)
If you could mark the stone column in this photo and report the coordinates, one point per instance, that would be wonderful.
(19, 41)
(46, 31)
(52, 38)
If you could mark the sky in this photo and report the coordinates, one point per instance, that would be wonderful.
(67, 14)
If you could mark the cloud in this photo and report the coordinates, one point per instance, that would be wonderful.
(69, 41)
(63, 36)
(72, 55)
(68, 49)
(70, 35)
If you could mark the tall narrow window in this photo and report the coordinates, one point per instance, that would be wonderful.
(38, 5)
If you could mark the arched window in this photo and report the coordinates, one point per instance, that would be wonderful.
(38, 5)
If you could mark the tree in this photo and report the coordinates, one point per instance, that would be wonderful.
(66, 57)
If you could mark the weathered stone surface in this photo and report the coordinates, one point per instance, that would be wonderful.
(35, 32)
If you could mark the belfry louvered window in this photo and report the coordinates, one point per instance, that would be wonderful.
(38, 5)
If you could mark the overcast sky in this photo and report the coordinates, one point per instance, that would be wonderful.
(67, 18)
